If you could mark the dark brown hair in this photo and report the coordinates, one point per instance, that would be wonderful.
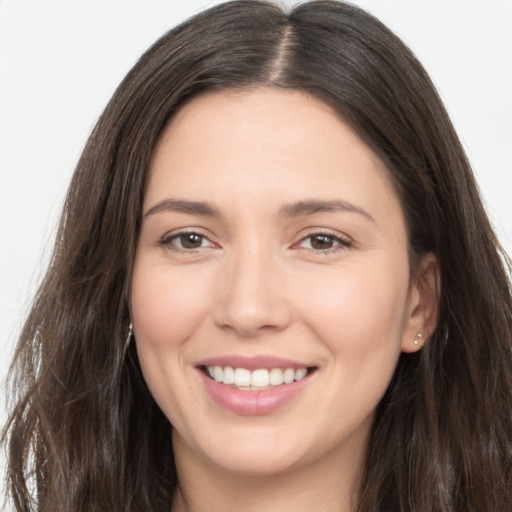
(85, 434)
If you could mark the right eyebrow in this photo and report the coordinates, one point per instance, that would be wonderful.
(189, 207)
(313, 206)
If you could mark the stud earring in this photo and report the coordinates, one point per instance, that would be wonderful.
(128, 338)
(418, 338)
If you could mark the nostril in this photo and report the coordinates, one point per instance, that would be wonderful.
(250, 302)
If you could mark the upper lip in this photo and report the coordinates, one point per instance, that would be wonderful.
(253, 362)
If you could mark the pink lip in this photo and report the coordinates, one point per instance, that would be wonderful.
(252, 403)
(252, 363)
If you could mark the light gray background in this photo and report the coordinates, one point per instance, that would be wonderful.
(61, 60)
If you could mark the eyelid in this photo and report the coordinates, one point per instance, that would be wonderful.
(167, 239)
(342, 241)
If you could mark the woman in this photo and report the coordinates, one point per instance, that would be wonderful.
(274, 286)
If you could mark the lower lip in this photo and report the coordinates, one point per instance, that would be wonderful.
(253, 403)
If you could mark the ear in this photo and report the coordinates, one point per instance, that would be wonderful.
(423, 305)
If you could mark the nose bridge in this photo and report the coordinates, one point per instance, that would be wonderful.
(251, 298)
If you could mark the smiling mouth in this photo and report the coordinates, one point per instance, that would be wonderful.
(256, 380)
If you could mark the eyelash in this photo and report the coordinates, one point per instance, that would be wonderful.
(341, 243)
(167, 241)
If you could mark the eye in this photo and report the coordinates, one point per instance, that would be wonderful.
(186, 241)
(324, 242)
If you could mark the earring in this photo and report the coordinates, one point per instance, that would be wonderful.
(418, 338)
(128, 338)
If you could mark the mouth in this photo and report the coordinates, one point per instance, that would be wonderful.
(259, 379)
(253, 386)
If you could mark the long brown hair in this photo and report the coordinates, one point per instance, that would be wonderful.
(84, 432)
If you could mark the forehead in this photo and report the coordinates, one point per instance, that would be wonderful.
(262, 141)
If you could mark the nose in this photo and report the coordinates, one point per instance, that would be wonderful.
(251, 295)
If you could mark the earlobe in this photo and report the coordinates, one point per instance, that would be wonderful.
(423, 309)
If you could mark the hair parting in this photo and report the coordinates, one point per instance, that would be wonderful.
(84, 433)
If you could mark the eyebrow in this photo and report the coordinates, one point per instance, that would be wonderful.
(299, 209)
(304, 208)
(189, 207)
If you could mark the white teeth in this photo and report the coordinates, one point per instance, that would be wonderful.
(301, 373)
(288, 375)
(229, 375)
(218, 374)
(276, 377)
(258, 379)
(242, 377)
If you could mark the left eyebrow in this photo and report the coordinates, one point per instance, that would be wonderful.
(181, 206)
(304, 208)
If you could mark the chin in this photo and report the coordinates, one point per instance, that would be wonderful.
(246, 451)
(249, 463)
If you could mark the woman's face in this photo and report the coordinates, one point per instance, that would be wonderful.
(273, 256)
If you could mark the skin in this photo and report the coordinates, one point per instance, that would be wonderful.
(263, 282)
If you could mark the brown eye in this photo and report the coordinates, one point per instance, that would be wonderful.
(186, 242)
(320, 242)
(190, 240)
(324, 242)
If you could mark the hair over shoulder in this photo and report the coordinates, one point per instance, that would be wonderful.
(84, 433)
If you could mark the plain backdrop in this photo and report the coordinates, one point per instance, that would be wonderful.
(61, 60)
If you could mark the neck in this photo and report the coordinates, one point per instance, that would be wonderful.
(329, 485)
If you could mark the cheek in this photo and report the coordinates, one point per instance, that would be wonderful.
(360, 314)
(166, 306)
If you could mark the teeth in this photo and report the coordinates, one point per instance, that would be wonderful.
(229, 376)
(218, 374)
(276, 377)
(301, 373)
(258, 379)
(288, 376)
(242, 377)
